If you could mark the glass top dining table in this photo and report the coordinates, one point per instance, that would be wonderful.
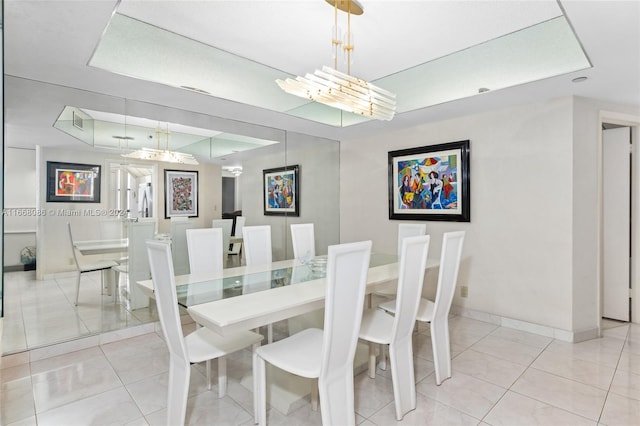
(250, 281)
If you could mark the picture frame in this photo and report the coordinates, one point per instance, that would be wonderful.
(430, 183)
(281, 196)
(180, 193)
(73, 182)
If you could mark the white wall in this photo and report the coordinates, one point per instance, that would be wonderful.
(19, 202)
(518, 258)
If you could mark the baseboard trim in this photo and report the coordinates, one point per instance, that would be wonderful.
(529, 327)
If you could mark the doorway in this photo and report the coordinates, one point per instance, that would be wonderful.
(617, 221)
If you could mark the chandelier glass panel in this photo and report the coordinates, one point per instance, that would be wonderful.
(342, 90)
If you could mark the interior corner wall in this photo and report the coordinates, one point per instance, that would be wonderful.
(517, 258)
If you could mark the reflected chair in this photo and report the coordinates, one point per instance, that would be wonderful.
(200, 345)
(226, 225)
(257, 245)
(236, 248)
(437, 313)
(205, 251)
(84, 267)
(326, 355)
(303, 240)
(378, 327)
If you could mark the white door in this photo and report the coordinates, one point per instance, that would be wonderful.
(617, 216)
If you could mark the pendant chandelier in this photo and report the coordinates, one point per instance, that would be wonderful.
(162, 154)
(341, 90)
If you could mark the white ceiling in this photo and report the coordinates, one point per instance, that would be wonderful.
(53, 42)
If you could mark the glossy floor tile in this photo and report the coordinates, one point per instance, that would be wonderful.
(39, 313)
(501, 376)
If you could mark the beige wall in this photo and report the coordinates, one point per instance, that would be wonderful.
(530, 250)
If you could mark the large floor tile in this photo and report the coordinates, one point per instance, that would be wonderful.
(114, 407)
(427, 412)
(371, 394)
(516, 409)
(488, 368)
(626, 383)
(207, 409)
(509, 350)
(465, 393)
(578, 398)
(620, 411)
(605, 350)
(586, 372)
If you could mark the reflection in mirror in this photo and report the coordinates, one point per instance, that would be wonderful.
(40, 308)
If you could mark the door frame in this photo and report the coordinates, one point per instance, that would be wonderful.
(633, 121)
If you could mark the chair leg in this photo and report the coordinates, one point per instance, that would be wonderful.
(372, 360)
(441, 350)
(259, 391)
(222, 376)
(337, 406)
(314, 394)
(270, 333)
(403, 377)
(208, 365)
(179, 376)
(78, 287)
(382, 364)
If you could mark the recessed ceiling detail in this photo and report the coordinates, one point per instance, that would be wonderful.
(141, 50)
(127, 134)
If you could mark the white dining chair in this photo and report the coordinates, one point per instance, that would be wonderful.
(326, 355)
(200, 345)
(303, 240)
(236, 248)
(257, 251)
(437, 313)
(257, 245)
(84, 267)
(205, 251)
(380, 328)
(226, 225)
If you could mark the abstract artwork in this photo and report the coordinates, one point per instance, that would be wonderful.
(430, 183)
(73, 183)
(281, 191)
(181, 193)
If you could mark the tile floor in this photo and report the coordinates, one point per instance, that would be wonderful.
(501, 376)
(41, 313)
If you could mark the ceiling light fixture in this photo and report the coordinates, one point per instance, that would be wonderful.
(236, 171)
(162, 154)
(339, 90)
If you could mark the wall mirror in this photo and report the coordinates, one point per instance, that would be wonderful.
(92, 128)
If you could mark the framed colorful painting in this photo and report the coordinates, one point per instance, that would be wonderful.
(281, 191)
(180, 193)
(73, 183)
(430, 183)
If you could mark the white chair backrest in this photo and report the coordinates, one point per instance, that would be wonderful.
(409, 230)
(303, 240)
(448, 275)
(347, 267)
(413, 262)
(257, 245)
(240, 221)
(166, 300)
(205, 251)
(226, 225)
(73, 247)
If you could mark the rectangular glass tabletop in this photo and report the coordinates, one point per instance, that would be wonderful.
(224, 288)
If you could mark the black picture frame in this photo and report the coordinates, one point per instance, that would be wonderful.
(180, 193)
(73, 182)
(430, 183)
(281, 191)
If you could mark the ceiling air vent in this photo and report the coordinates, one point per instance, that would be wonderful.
(77, 120)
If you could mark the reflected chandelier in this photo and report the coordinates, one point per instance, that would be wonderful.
(339, 90)
(162, 154)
